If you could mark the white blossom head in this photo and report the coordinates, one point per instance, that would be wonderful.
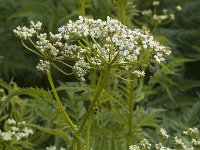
(93, 43)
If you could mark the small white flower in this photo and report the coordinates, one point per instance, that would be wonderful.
(80, 69)
(2, 90)
(159, 57)
(144, 144)
(179, 142)
(51, 148)
(15, 129)
(21, 123)
(178, 8)
(43, 65)
(172, 16)
(3, 98)
(196, 143)
(27, 130)
(36, 26)
(156, 3)
(6, 136)
(163, 133)
(165, 11)
(134, 147)
(11, 121)
(61, 29)
(147, 12)
(139, 73)
(124, 53)
(24, 32)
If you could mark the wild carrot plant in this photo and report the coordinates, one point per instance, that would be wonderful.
(105, 47)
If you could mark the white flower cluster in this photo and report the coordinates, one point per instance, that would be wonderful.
(147, 12)
(43, 65)
(2, 95)
(17, 131)
(134, 147)
(178, 8)
(193, 134)
(166, 16)
(161, 147)
(2, 99)
(196, 143)
(139, 73)
(163, 133)
(156, 3)
(117, 39)
(69, 50)
(54, 148)
(178, 144)
(114, 41)
(25, 32)
(80, 69)
(93, 43)
(143, 145)
(45, 46)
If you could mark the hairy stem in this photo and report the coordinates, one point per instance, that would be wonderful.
(101, 83)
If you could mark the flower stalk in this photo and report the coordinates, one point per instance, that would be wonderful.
(59, 103)
(130, 115)
(88, 133)
(100, 85)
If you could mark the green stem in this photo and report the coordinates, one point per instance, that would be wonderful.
(88, 133)
(59, 103)
(31, 49)
(123, 15)
(65, 73)
(100, 85)
(82, 7)
(130, 115)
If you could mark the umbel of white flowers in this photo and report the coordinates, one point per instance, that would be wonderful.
(192, 134)
(93, 43)
(17, 131)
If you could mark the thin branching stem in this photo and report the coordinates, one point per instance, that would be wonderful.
(89, 123)
(59, 103)
(130, 115)
(65, 73)
(64, 63)
(31, 49)
(121, 77)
